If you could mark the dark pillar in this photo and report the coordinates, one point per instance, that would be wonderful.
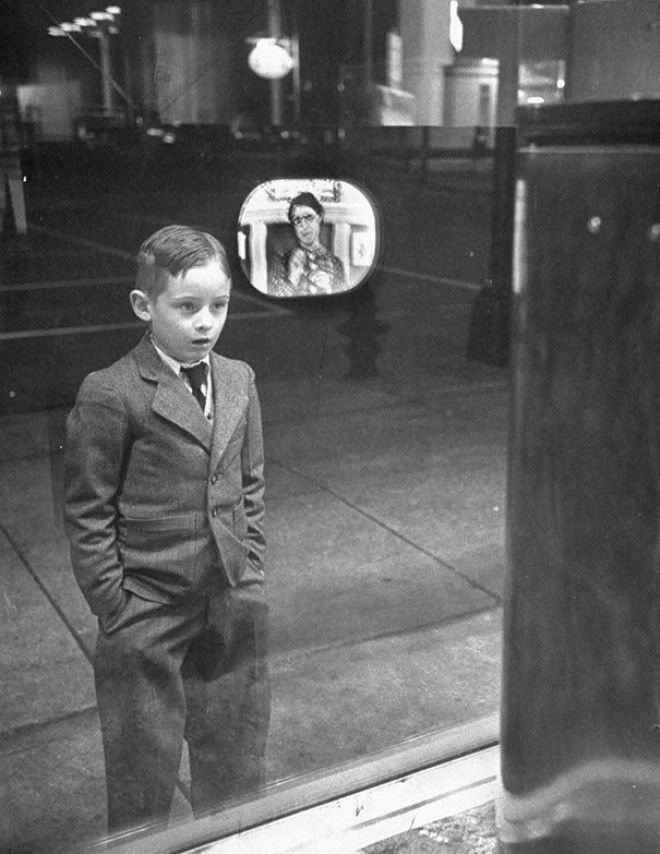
(580, 734)
(490, 323)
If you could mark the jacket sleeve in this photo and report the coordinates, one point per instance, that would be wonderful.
(252, 470)
(97, 442)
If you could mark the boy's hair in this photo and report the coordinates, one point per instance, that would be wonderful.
(172, 251)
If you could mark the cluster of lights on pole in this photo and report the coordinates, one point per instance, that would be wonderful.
(95, 21)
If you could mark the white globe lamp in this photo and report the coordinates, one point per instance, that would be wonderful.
(270, 60)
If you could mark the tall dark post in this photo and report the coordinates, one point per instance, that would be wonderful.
(488, 340)
(580, 734)
(368, 48)
(504, 177)
(106, 69)
(295, 78)
(275, 31)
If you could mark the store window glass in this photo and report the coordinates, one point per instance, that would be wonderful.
(384, 403)
(384, 469)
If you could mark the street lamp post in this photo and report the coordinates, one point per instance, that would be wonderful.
(99, 25)
(106, 76)
(104, 24)
(274, 31)
(273, 57)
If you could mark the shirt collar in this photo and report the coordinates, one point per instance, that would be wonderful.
(174, 364)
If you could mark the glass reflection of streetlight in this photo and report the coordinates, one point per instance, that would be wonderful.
(100, 25)
(270, 58)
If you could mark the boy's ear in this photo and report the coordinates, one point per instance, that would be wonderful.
(141, 305)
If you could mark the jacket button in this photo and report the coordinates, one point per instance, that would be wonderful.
(214, 512)
(214, 479)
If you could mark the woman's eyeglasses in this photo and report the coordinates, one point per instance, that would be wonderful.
(303, 219)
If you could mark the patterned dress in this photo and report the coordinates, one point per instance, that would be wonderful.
(323, 273)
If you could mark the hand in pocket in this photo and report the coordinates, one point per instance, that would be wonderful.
(236, 634)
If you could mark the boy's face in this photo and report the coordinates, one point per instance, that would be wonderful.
(187, 317)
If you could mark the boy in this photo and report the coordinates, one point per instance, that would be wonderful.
(164, 514)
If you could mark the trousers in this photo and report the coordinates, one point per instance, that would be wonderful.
(195, 670)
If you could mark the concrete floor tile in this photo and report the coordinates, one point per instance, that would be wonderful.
(37, 693)
(52, 787)
(281, 482)
(309, 397)
(44, 673)
(49, 638)
(397, 439)
(37, 532)
(443, 474)
(488, 407)
(431, 506)
(30, 497)
(332, 437)
(31, 434)
(24, 435)
(51, 564)
(366, 697)
(484, 564)
(336, 576)
(454, 537)
(454, 376)
(447, 508)
(19, 589)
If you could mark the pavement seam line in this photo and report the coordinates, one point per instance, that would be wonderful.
(286, 657)
(128, 256)
(430, 277)
(181, 785)
(323, 487)
(28, 730)
(65, 283)
(106, 327)
(60, 613)
(83, 241)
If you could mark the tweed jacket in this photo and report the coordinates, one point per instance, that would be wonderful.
(159, 500)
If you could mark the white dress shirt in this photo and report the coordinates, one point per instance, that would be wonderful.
(207, 387)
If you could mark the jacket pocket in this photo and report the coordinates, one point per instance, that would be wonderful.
(181, 522)
(165, 553)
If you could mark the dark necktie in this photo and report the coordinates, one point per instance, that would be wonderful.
(197, 377)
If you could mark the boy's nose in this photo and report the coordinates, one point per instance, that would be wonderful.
(204, 320)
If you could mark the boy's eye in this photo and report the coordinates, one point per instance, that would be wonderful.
(220, 305)
(187, 306)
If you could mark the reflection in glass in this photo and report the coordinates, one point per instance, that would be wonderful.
(363, 330)
(306, 237)
(308, 267)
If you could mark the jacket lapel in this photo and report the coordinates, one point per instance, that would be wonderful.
(172, 400)
(229, 401)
